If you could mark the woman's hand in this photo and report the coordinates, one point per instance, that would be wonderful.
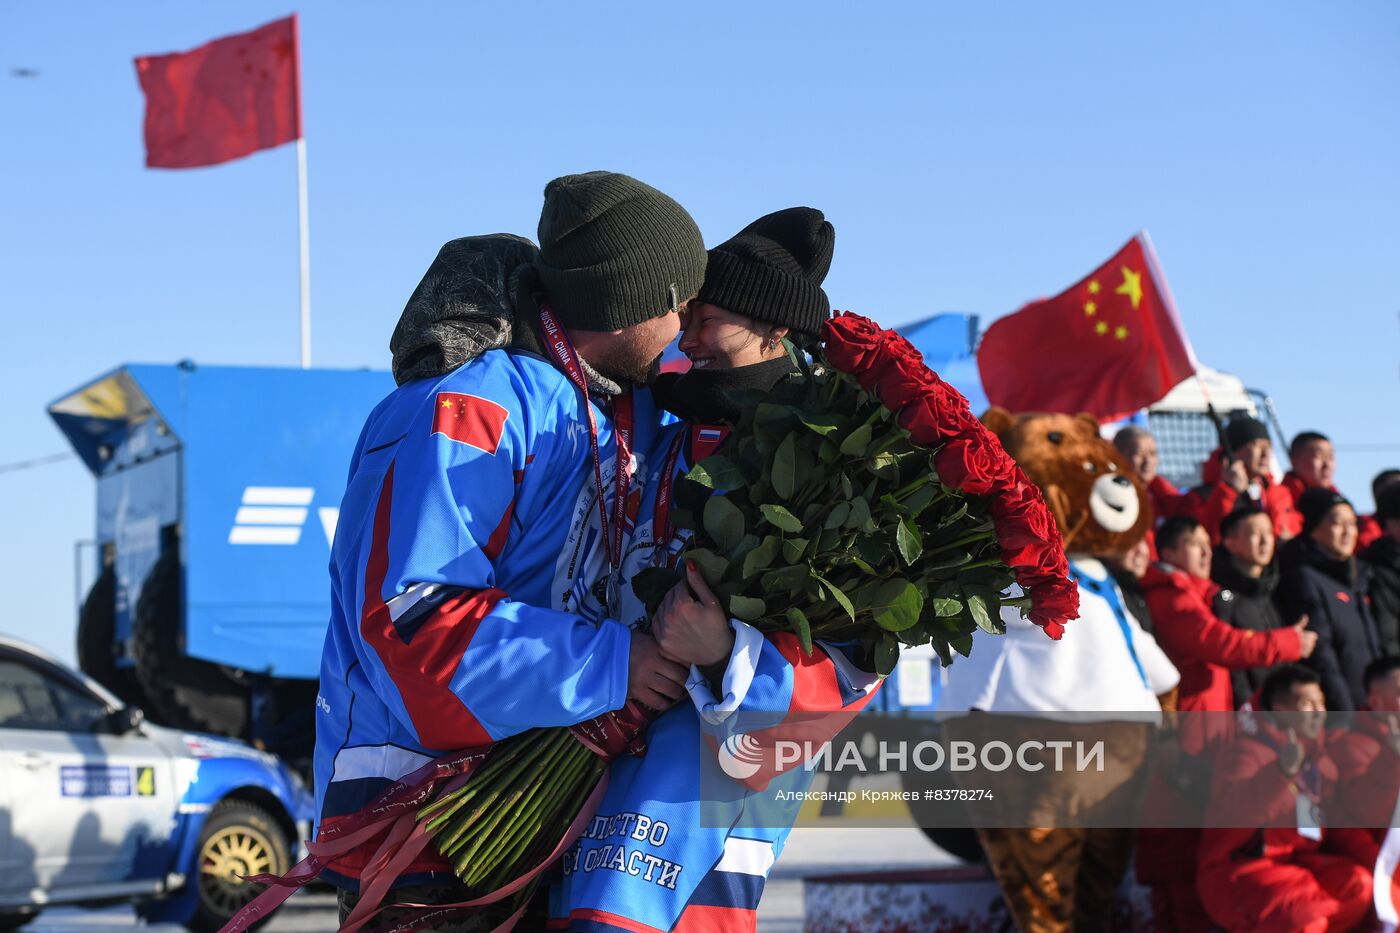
(689, 625)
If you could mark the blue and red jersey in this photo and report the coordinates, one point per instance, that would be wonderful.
(469, 579)
(472, 600)
(678, 844)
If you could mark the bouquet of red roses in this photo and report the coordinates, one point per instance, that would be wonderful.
(967, 458)
(861, 501)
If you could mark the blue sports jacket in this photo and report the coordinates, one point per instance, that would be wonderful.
(467, 579)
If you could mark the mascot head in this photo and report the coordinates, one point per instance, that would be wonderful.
(1100, 506)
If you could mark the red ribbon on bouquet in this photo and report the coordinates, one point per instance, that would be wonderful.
(401, 800)
(393, 814)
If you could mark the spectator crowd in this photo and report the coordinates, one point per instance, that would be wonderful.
(1273, 597)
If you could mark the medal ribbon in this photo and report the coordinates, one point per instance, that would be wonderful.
(661, 514)
(563, 353)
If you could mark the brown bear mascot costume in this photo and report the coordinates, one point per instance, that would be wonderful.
(1061, 879)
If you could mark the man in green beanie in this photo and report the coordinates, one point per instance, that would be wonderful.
(474, 584)
(613, 254)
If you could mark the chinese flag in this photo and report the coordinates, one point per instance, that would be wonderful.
(1110, 344)
(470, 419)
(223, 100)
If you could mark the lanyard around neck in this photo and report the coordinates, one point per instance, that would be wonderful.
(661, 529)
(704, 440)
(563, 353)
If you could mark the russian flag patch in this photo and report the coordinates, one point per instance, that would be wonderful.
(705, 440)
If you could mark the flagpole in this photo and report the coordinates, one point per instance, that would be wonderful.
(303, 218)
(304, 230)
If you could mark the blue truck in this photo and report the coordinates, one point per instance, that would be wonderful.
(218, 490)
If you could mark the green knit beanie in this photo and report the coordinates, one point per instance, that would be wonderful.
(615, 252)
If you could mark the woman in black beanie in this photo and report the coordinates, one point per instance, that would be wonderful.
(762, 288)
(1323, 580)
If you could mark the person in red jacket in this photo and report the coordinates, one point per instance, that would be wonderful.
(1244, 479)
(1267, 862)
(1203, 647)
(1312, 464)
(1368, 757)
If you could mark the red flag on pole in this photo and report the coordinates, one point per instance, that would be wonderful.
(223, 100)
(1109, 344)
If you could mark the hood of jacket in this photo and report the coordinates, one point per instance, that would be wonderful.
(464, 305)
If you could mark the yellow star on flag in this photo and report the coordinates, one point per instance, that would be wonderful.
(1093, 286)
(1120, 332)
(1100, 328)
(1132, 286)
(1090, 309)
(446, 403)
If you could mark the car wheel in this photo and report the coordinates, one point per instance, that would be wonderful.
(17, 919)
(239, 839)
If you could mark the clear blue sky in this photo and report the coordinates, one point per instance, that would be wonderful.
(971, 158)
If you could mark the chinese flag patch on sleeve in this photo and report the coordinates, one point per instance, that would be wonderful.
(470, 420)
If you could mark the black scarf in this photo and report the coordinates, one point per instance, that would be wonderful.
(704, 396)
(1342, 571)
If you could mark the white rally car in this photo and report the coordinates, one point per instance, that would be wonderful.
(98, 806)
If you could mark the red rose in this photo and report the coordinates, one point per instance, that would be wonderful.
(1026, 531)
(852, 343)
(956, 415)
(897, 345)
(972, 465)
(1053, 604)
(901, 376)
(920, 419)
(873, 371)
(938, 415)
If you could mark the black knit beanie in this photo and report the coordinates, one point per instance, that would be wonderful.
(1315, 504)
(615, 252)
(1242, 429)
(773, 269)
